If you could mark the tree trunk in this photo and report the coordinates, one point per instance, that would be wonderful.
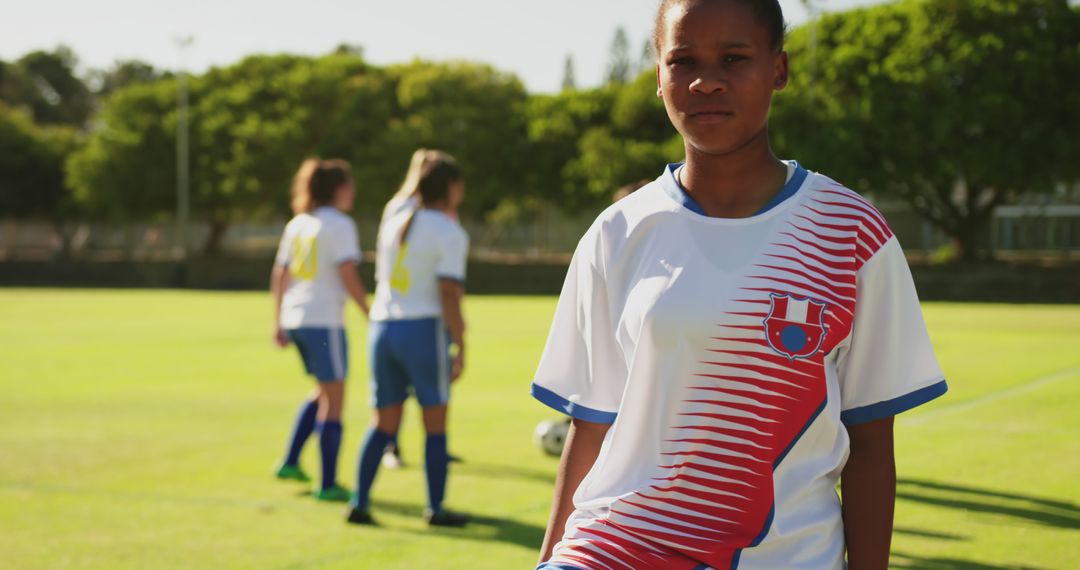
(965, 236)
(212, 246)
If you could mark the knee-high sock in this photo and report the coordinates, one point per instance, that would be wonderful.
(330, 444)
(436, 461)
(368, 464)
(305, 424)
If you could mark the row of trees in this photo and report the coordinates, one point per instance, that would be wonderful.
(955, 106)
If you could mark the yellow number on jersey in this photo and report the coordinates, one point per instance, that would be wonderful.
(399, 278)
(305, 257)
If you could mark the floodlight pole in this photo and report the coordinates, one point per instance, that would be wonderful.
(183, 162)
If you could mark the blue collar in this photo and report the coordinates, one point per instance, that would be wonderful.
(670, 183)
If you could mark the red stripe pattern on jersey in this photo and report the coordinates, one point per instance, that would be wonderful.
(749, 403)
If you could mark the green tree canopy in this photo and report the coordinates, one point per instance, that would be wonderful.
(953, 105)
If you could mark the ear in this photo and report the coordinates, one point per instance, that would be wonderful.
(781, 71)
(659, 89)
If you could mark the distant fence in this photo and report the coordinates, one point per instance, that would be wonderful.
(526, 258)
(991, 283)
(1048, 233)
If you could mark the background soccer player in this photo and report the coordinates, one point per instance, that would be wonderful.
(314, 273)
(415, 317)
(731, 339)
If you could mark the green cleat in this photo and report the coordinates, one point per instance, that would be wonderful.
(335, 494)
(292, 473)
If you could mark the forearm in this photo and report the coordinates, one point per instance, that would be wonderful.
(582, 447)
(450, 296)
(279, 279)
(868, 490)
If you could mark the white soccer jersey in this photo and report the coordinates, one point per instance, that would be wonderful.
(408, 276)
(728, 355)
(312, 247)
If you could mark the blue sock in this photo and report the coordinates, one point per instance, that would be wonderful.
(305, 424)
(436, 461)
(368, 465)
(329, 443)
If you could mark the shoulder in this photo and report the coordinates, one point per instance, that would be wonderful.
(629, 219)
(832, 204)
(338, 220)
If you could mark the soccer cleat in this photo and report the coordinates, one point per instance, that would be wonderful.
(356, 515)
(292, 473)
(335, 494)
(446, 518)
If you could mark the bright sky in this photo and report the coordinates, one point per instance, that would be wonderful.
(529, 38)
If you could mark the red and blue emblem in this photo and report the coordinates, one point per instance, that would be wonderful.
(795, 326)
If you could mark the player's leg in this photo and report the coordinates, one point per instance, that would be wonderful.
(303, 426)
(331, 368)
(429, 371)
(304, 423)
(389, 387)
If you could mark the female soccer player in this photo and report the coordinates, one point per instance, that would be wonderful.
(314, 273)
(406, 199)
(420, 281)
(731, 340)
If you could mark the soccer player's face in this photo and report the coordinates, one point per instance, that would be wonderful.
(716, 73)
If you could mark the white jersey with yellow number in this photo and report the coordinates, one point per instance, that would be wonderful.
(312, 247)
(407, 275)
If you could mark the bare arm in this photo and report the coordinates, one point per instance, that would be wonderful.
(582, 447)
(450, 293)
(868, 489)
(279, 282)
(350, 278)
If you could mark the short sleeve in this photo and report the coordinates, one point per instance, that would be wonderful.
(888, 366)
(453, 256)
(284, 250)
(581, 372)
(346, 243)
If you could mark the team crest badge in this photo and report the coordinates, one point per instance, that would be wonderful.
(795, 327)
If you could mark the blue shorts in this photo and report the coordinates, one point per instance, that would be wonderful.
(324, 351)
(409, 356)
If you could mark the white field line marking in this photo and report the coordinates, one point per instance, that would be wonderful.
(1024, 387)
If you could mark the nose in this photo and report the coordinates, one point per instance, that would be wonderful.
(709, 83)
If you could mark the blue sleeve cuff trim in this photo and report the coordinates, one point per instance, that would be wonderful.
(557, 402)
(893, 407)
(460, 280)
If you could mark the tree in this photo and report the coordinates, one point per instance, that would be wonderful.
(32, 171)
(648, 57)
(472, 111)
(619, 65)
(122, 74)
(954, 106)
(45, 83)
(568, 80)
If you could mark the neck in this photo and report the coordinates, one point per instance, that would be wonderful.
(735, 184)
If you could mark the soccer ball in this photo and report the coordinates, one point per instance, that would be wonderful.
(550, 435)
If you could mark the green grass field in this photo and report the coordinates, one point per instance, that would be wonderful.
(138, 430)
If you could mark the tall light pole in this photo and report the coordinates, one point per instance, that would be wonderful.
(183, 158)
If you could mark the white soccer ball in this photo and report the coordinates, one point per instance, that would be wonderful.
(550, 435)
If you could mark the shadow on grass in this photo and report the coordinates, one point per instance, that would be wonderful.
(911, 562)
(496, 471)
(929, 534)
(499, 530)
(1052, 513)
